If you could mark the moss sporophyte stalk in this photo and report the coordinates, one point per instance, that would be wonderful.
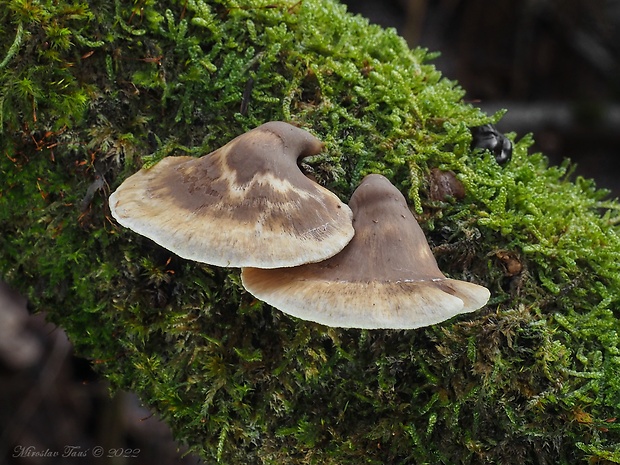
(91, 92)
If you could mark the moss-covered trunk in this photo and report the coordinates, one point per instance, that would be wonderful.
(91, 92)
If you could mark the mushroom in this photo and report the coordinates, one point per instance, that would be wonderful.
(386, 277)
(245, 204)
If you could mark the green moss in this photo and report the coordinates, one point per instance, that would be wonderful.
(89, 93)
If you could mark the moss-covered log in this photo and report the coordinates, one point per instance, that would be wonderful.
(91, 92)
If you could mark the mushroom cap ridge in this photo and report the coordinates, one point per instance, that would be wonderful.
(245, 204)
(386, 277)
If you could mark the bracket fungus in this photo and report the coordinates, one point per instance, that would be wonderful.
(245, 204)
(386, 277)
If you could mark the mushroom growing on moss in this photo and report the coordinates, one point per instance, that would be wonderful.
(245, 204)
(386, 277)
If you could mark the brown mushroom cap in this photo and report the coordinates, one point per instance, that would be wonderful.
(386, 277)
(245, 204)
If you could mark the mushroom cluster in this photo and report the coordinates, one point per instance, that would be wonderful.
(300, 248)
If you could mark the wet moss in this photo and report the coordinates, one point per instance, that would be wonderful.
(91, 92)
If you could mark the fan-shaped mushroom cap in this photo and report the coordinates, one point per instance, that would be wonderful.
(386, 277)
(245, 204)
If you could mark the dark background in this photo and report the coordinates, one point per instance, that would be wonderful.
(553, 64)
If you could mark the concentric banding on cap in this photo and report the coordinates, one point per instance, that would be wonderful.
(245, 204)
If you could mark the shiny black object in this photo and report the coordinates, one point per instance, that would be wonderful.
(487, 137)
